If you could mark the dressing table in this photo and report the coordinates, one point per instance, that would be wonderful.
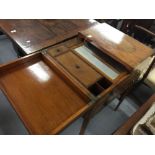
(53, 87)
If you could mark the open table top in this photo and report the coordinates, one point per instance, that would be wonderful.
(34, 35)
(123, 48)
(42, 99)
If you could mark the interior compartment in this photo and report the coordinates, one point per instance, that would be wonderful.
(99, 86)
(55, 51)
(104, 83)
(95, 89)
(79, 68)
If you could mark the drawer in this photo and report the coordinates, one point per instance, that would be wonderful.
(55, 51)
(78, 68)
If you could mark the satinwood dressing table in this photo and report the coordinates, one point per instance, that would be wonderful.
(53, 87)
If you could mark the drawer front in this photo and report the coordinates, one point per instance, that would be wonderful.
(78, 68)
(55, 51)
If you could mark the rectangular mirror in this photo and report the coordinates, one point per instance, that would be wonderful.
(89, 56)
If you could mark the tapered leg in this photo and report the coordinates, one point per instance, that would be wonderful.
(120, 101)
(85, 124)
(123, 96)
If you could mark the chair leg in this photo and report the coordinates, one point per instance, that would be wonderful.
(123, 96)
(120, 101)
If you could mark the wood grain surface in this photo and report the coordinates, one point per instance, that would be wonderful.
(34, 35)
(118, 45)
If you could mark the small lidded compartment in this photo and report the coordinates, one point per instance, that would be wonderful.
(98, 87)
(83, 72)
(55, 51)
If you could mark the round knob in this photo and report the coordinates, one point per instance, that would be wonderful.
(77, 66)
(58, 50)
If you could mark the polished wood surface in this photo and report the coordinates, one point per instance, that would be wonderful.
(81, 70)
(34, 35)
(44, 102)
(129, 124)
(118, 45)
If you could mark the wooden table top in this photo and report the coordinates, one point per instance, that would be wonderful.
(43, 100)
(129, 124)
(34, 35)
(118, 45)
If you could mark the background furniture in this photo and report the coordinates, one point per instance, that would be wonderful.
(140, 29)
(150, 80)
(129, 124)
(33, 35)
